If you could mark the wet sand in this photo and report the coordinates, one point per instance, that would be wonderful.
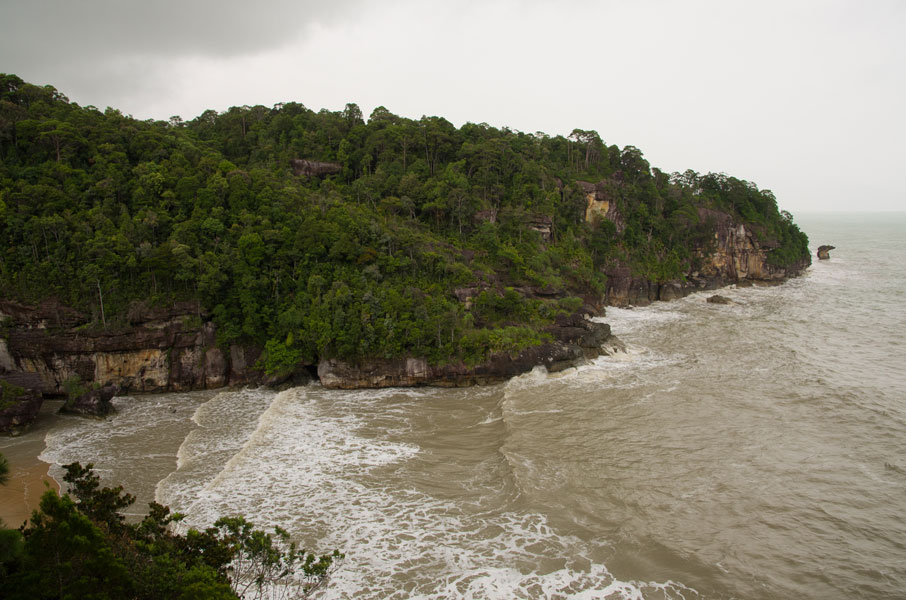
(27, 482)
(28, 478)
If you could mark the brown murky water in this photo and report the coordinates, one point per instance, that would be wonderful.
(756, 450)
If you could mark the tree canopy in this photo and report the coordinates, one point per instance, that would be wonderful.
(80, 546)
(361, 259)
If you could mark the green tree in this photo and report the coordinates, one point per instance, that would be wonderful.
(102, 211)
(83, 548)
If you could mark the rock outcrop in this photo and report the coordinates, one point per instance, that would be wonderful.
(20, 401)
(94, 403)
(824, 252)
(312, 168)
(737, 255)
(575, 339)
(158, 350)
(174, 349)
(600, 202)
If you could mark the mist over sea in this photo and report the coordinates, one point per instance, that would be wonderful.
(755, 450)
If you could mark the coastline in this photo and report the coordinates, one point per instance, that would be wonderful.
(30, 478)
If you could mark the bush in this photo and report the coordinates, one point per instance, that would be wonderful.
(82, 547)
(279, 358)
(74, 387)
(9, 393)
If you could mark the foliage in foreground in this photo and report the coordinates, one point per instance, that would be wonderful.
(80, 546)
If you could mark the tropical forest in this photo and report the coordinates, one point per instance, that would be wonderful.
(328, 234)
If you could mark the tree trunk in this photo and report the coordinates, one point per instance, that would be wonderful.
(101, 299)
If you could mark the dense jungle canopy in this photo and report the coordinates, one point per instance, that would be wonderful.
(355, 254)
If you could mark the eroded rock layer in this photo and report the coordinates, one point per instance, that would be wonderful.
(159, 350)
(737, 255)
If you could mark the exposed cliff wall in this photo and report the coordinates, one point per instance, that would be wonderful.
(158, 350)
(601, 202)
(735, 255)
(173, 350)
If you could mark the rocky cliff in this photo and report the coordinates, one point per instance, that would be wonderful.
(157, 350)
(173, 349)
(19, 401)
(736, 255)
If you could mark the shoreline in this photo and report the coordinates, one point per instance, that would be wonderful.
(21, 496)
(29, 476)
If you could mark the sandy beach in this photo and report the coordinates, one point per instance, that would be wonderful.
(28, 477)
(28, 480)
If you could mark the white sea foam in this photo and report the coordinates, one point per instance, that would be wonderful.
(629, 320)
(309, 467)
(144, 432)
(222, 425)
(85, 440)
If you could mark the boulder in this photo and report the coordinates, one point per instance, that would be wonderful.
(578, 331)
(718, 299)
(672, 290)
(824, 252)
(313, 168)
(19, 406)
(95, 403)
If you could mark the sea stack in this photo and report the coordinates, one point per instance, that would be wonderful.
(93, 403)
(824, 252)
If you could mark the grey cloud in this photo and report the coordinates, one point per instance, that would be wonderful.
(35, 32)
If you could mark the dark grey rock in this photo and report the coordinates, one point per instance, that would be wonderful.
(95, 403)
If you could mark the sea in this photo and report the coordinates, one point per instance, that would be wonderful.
(755, 450)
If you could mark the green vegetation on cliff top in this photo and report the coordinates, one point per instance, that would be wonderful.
(99, 210)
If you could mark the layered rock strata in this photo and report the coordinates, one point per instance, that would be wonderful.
(158, 350)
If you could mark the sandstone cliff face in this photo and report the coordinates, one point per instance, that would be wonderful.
(738, 253)
(312, 168)
(736, 256)
(160, 350)
(600, 203)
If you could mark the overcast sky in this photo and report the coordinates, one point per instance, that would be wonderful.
(806, 98)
